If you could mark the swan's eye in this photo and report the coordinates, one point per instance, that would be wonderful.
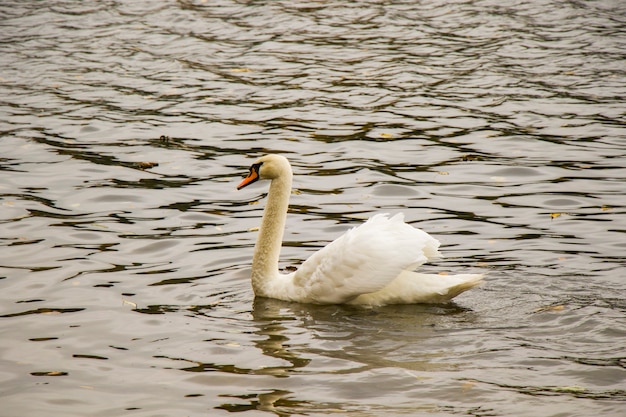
(256, 167)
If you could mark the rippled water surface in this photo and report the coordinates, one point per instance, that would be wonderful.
(497, 127)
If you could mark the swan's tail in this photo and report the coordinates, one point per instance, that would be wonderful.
(411, 288)
(464, 283)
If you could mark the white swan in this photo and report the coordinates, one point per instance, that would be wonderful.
(369, 265)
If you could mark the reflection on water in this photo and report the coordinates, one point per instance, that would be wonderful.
(125, 249)
(362, 336)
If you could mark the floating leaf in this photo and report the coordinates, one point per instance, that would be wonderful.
(443, 173)
(572, 390)
(470, 157)
(146, 165)
(240, 70)
(386, 135)
(44, 311)
(554, 215)
(79, 356)
(559, 307)
(49, 373)
(468, 385)
(253, 229)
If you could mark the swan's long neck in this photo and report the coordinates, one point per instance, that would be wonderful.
(270, 238)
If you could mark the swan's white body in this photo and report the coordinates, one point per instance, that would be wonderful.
(369, 265)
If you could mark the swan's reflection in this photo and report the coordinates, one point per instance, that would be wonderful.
(278, 402)
(340, 340)
(367, 338)
(267, 313)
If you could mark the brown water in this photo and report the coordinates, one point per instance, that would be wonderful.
(498, 128)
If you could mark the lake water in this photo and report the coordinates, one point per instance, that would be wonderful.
(497, 127)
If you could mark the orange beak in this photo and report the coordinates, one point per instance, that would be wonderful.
(252, 177)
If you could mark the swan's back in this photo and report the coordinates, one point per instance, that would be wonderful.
(364, 260)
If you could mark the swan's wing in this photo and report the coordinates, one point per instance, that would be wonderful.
(364, 260)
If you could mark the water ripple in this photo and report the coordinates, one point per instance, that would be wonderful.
(498, 128)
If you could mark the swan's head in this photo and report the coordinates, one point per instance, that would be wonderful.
(267, 167)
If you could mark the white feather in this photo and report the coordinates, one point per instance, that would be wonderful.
(364, 260)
